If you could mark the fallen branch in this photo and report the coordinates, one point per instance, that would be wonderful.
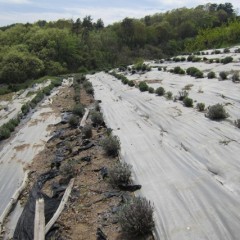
(61, 206)
(39, 221)
(83, 121)
(13, 200)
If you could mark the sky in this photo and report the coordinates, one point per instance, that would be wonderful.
(23, 11)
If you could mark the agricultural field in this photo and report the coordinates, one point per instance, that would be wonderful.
(185, 157)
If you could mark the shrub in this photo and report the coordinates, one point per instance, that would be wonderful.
(143, 86)
(78, 110)
(159, 69)
(198, 74)
(211, 60)
(223, 75)
(111, 145)
(182, 95)
(4, 133)
(226, 60)
(191, 71)
(217, 60)
(183, 59)
(136, 217)
(188, 102)
(190, 58)
(178, 70)
(87, 131)
(168, 95)
(97, 118)
(131, 83)
(237, 50)
(200, 107)
(151, 90)
(120, 173)
(73, 121)
(226, 50)
(211, 75)
(217, 112)
(196, 59)
(237, 123)
(235, 77)
(67, 169)
(25, 108)
(89, 90)
(160, 91)
(216, 52)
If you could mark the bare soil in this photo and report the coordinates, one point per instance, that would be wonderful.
(88, 207)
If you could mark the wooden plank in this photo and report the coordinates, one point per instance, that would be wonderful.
(84, 119)
(61, 206)
(39, 221)
(13, 200)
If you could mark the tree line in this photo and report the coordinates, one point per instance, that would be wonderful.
(28, 51)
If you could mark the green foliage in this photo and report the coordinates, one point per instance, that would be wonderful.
(136, 217)
(201, 107)
(178, 70)
(151, 90)
(87, 131)
(217, 112)
(223, 75)
(182, 95)
(143, 87)
(120, 173)
(73, 121)
(25, 108)
(226, 60)
(237, 123)
(194, 72)
(78, 110)
(211, 75)
(4, 133)
(111, 145)
(160, 91)
(235, 77)
(188, 102)
(169, 95)
(97, 118)
(131, 83)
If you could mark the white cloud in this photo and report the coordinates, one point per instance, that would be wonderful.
(109, 15)
(15, 1)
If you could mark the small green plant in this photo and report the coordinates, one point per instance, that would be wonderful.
(136, 217)
(211, 75)
(226, 50)
(78, 110)
(97, 118)
(25, 108)
(169, 95)
(131, 83)
(201, 107)
(120, 173)
(198, 74)
(111, 145)
(217, 112)
(237, 123)
(182, 94)
(178, 70)
(143, 87)
(223, 75)
(235, 77)
(73, 121)
(160, 91)
(151, 90)
(188, 102)
(87, 131)
(226, 60)
(4, 133)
